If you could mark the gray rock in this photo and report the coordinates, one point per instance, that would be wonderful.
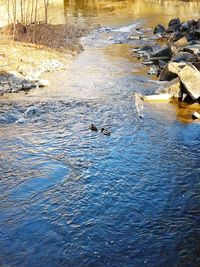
(6, 88)
(184, 26)
(146, 48)
(174, 25)
(190, 78)
(190, 36)
(175, 21)
(172, 88)
(16, 88)
(193, 49)
(159, 29)
(171, 71)
(184, 57)
(166, 75)
(177, 36)
(197, 33)
(164, 51)
(145, 51)
(28, 85)
(31, 112)
(162, 63)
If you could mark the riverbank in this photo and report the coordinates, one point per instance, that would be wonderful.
(175, 63)
(34, 50)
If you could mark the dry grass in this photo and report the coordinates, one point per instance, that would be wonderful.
(14, 55)
(36, 43)
(52, 36)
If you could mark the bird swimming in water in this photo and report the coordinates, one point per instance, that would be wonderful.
(105, 132)
(93, 128)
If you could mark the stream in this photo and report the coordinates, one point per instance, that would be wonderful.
(73, 197)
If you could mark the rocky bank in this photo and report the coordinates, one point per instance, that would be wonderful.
(176, 62)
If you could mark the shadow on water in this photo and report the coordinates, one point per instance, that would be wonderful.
(72, 197)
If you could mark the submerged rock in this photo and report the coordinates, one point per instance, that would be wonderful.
(31, 112)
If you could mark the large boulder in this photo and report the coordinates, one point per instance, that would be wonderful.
(172, 88)
(190, 78)
(171, 71)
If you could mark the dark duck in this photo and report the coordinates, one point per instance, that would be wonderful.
(105, 131)
(93, 128)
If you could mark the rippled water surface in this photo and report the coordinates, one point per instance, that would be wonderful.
(72, 197)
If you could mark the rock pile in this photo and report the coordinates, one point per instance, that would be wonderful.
(26, 78)
(177, 61)
(13, 83)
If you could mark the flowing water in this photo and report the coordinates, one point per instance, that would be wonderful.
(72, 197)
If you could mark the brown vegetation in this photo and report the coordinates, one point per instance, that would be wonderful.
(53, 36)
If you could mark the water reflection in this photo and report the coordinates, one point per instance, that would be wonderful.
(132, 9)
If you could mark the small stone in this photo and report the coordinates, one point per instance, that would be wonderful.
(43, 83)
(154, 70)
(28, 85)
(196, 115)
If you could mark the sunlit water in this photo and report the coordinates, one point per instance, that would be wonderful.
(72, 197)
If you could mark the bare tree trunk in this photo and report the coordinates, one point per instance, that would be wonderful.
(8, 3)
(21, 9)
(14, 6)
(32, 10)
(46, 10)
(28, 15)
(35, 19)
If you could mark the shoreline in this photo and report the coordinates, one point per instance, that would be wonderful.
(23, 62)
